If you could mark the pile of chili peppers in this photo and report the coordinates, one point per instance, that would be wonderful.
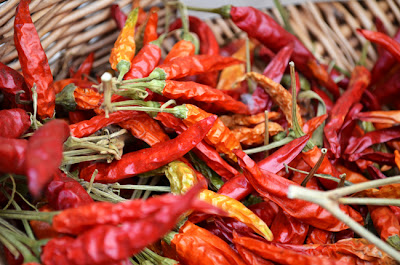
(188, 158)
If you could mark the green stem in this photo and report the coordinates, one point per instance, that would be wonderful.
(12, 192)
(141, 187)
(85, 151)
(137, 193)
(26, 253)
(153, 182)
(178, 111)
(28, 215)
(341, 70)
(14, 251)
(79, 159)
(151, 104)
(248, 65)
(364, 51)
(224, 11)
(285, 17)
(270, 146)
(169, 237)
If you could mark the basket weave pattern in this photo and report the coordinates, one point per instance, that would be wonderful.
(70, 30)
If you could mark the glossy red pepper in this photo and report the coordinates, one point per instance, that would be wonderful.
(132, 164)
(33, 60)
(386, 224)
(13, 153)
(44, 154)
(14, 122)
(181, 49)
(384, 40)
(150, 31)
(313, 123)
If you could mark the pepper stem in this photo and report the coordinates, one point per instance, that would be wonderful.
(34, 100)
(157, 258)
(107, 87)
(315, 168)
(28, 215)
(169, 237)
(178, 111)
(224, 11)
(18, 99)
(270, 146)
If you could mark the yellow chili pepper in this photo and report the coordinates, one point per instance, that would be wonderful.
(124, 47)
(181, 177)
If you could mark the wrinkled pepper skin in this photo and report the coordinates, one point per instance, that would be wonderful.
(144, 62)
(13, 123)
(181, 49)
(386, 224)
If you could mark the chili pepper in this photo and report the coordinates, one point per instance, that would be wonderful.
(370, 101)
(239, 187)
(312, 124)
(44, 154)
(209, 45)
(84, 68)
(391, 116)
(132, 164)
(279, 254)
(250, 258)
(396, 211)
(14, 122)
(379, 136)
(350, 126)
(118, 16)
(124, 47)
(59, 85)
(388, 43)
(210, 248)
(11, 82)
(150, 31)
(274, 188)
(128, 239)
(378, 157)
(43, 229)
(255, 135)
(351, 176)
(386, 224)
(72, 98)
(336, 75)
(63, 193)
(278, 94)
(231, 121)
(228, 225)
(375, 173)
(13, 153)
(288, 230)
(181, 49)
(325, 98)
(205, 152)
(232, 47)
(387, 191)
(143, 127)
(358, 83)
(11, 259)
(88, 127)
(190, 65)
(33, 60)
(319, 236)
(260, 26)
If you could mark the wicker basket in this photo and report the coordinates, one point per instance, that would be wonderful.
(70, 30)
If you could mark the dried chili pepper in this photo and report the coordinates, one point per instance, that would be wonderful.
(319, 236)
(390, 116)
(159, 155)
(118, 16)
(124, 47)
(14, 122)
(288, 230)
(351, 176)
(256, 135)
(13, 153)
(312, 124)
(181, 49)
(72, 98)
(358, 83)
(328, 102)
(129, 238)
(59, 85)
(210, 248)
(11, 84)
(275, 188)
(245, 120)
(44, 154)
(150, 31)
(384, 40)
(202, 149)
(33, 60)
(386, 224)
(85, 68)
(250, 258)
(63, 193)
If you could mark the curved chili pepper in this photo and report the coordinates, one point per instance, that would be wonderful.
(13, 153)
(210, 248)
(256, 135)
(11, 83)
(260, 26)
(118, 16)
(275, 188)
(132, 164)
(370, 100)
(33, 60)
(84, 68)
(205, 152)
(239, 187)
(124, 47)
(150, 31)
(14, 122)
(387, 90)
(245, 120)
(384, 40)
(358, 83)
(319, 236)
(63, 193)
(44, 154)
(128, 239)
(390, 116)
(181, 49)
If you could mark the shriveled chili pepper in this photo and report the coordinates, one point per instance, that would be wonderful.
(239, 187)
(255, 135)
(319, 236)
(358, 83)
(118, 16)
(390, 116)
(260, 26)
(281, 255)
(181, 49)
(246, 120)
(13, 153)
(33, 60)
(279, 95)
(210, 248)
(250, 258)
(384, 40)
(275, 188)
(14, 122)
(11, 83)
(205, 152)
(73, 98)
(124, 47)
(64, 192)
(44, 154)
(85, 68)
(288, 230)
(128, 239)
(379, 136)
(132, 164)
(150, 31)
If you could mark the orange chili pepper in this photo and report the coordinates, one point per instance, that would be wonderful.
(180, 49)
(351, 176)
(247, 120)
(255, 135)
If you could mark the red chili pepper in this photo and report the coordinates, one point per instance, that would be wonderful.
(11, 82)
(275, 188)
(128, 239)
(132, 164)
(118, 16)
(44, 154)
(313, 123)
(370, 100)
(63, 193)
(387, 90)
(14, 122)
(335, 75)
(204, 151)
(358, 83)
(262, 27)
(33, 60)
(239, 187)
(42, 229)
(59, 85)
(388, 43)
(288, 230)
(325, 98)
(181, 49)
(319, 236)
(386, 224)
(13, 155)
(85, 68)
(150, 31)
(250, 258)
